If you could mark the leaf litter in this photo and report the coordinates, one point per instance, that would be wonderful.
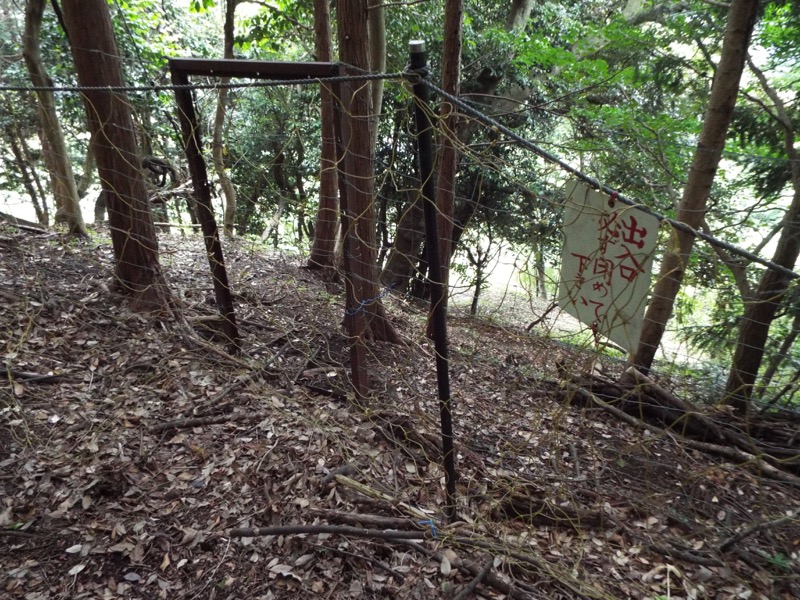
(136, 465)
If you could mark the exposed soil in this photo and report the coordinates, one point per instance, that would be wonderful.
(109, 490)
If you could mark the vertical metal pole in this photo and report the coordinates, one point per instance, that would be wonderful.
(205, 213)
(419, 63)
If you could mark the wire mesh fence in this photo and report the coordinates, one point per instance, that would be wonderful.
(516, 356)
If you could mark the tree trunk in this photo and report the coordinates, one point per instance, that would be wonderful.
(724, 89)
(519, 14)
(88, 171)
(760, 310)
(779, 356)
(25, 170)
(133, 235)
(323, 248)
(65, 190)
(358, 171)
(377, 59)
(399, 267)
(274, 224)
(448, 155)
(541, 277)
(217, 142)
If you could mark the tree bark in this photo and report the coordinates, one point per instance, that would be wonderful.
(448, 135)
(724, 89)
(358, 170)
(217, 142)
(323, 248)
(65, 190)
(399, 268)
(519, 14)
(133, 235)
(377, 59)
(25, 170)
(760, 310)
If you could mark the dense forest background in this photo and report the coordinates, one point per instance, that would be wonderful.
(621, 90)
(157, 418)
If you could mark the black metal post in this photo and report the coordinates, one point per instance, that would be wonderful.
(419, 63)
(205, 213)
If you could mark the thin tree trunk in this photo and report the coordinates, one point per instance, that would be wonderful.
(724, 89)
(37, 182)
(133, 235)
(323, 248)
(377, 59)
(759, 311)
(273, 227)
(88, 171)
(358, 165)
(779, 357)
(399, 267)
(65, 190)
(217, 143)
(448, 155)
(541, 278)
(25, 172)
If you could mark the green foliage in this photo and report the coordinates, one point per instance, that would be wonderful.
(620, 95)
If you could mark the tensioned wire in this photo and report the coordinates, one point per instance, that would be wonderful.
(200, 86)
(466, 108)
(490, 122)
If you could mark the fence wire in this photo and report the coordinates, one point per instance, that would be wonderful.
(526, 454)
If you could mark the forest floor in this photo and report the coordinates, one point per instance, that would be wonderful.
(137, 460)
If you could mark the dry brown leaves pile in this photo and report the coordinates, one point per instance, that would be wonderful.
(109, 490)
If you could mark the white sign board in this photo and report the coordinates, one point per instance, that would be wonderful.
(606, 263)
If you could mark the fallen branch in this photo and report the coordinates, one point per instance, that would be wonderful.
(364, 519)
(470, 587)
(374, 561)
(528, 559)
(755, 527)
(373, 493)
(237, 383)
(686, 555)
(39, 378)
(214, 420)
(501, 585)
(22, 223)
(385, 534)
(587, 398)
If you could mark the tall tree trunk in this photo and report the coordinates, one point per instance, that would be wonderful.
(781, 355)
(323, 248)
(724, 89)
(448, 155)
(217, 142)
(133, 235)
(377, 60)
(760, 310)
(358, 165)
(65, 190)
(25, 170)
(399, 267)
(519, 14)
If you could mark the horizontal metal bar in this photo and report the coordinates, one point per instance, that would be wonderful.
(256, 69)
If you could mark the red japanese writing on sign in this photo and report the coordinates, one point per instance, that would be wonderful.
(606, 262)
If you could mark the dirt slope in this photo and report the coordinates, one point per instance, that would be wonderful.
(109, 489)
